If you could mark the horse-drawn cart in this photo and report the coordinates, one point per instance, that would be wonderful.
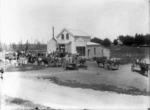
(140, 65)
(112, 63)
(69, 62)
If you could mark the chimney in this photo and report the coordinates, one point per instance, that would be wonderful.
(53, 32)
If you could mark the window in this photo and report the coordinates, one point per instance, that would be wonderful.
(67, 36)
(94, 51)
(88, 52)
(81, 50)
(62, 36)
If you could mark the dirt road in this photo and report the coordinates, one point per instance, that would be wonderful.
(27, 86)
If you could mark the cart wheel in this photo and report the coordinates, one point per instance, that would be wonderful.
(103, 65)
(108, 66)
(111, 67)
(98, 63)
(86, 67)
(64, 66)
(117, 66)
(76, 67)
(132, 68)
(146, 73)
(50, 64)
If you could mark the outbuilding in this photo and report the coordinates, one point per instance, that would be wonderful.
(52, 44)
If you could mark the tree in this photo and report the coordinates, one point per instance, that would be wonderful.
(126, 40)
(115, 42)
(106, 42)
(97, 40)
(147, 39)
(139, 39)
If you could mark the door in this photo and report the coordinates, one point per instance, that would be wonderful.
(62, 47)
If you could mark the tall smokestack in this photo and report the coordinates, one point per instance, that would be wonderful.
(53, 31)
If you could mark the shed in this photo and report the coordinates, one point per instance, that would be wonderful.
(96, 50)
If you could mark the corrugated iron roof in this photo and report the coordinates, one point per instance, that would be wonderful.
(77, 32)
(91, 43)
(74, 32)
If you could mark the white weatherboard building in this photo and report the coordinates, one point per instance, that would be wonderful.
(76, 41)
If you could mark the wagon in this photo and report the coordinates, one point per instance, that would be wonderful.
(55, 61)
(141, 66)
(112, 63)
(69, 62)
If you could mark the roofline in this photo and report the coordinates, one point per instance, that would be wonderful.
(51, 39)
(54, 39)
(63, 31)
(92, 45)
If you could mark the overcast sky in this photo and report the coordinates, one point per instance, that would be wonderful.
(33, 19)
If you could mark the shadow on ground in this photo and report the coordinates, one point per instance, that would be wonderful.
(28, 67)
(100, 87)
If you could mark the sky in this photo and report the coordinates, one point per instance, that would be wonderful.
(32, 20)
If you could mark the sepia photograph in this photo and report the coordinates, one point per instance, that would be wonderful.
(74, 54)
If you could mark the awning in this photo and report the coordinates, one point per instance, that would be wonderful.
(63, 42)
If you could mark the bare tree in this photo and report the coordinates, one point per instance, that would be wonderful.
(20, 45)
(14, 46)
(27, 46)
(38, 45)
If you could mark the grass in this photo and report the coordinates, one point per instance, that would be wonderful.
(128, 54)
(25, 104)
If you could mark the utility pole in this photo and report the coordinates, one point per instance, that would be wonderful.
(53, 32)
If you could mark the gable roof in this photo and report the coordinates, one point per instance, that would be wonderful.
(96, 44)
(73, 32)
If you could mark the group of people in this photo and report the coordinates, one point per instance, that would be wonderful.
(41, 58)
